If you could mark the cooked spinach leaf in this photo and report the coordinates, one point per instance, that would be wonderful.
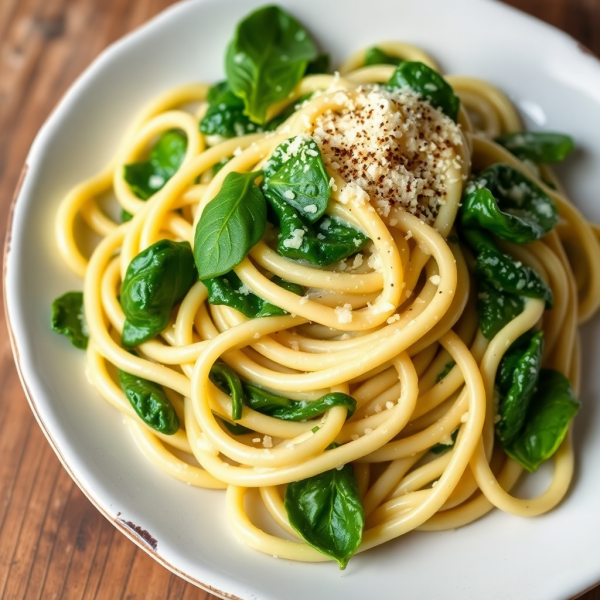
(267, 57)
(295, 173)
(552, 408)
(150, 402)
(232, 222)
(509, 205)
(68, 318)
(327, 241)
(376, 56)
(228, 381)
(445, 371)
(229, 290)
(327, 512)
(516, 379)
(429, 84)
(156, 279)
(300, 410)
(225, 115)
(318, 65)
(503, 272)
(496, 309)
(147, 177)
(538, 146)
(442, 448)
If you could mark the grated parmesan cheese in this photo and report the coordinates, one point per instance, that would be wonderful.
(344, 313)
(296, 240)
(391, 144)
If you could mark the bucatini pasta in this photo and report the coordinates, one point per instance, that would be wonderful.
(358, 292)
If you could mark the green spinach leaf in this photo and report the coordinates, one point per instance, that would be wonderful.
(147, 177)
(503, 272)
(150, 402)
(288, 410)
(553, 406)
(296, 174)
(318, 65)
(324, 243)
(264, 401)
(229, 290)
(232, 222)
(228, 381)
(235, 428)
(125, 216)
(509, 205)
(376, 56)
(538, 146)
(516, 379)
(442, 448)
(156, 279)
(68, 318)
(429, 84)
(495, 309)
(448, 367)
(512, 276)
(327, 512)
(225, 115)
(267, 57)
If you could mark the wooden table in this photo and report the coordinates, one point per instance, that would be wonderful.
(53, 542)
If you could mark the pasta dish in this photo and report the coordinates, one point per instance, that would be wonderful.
(354, 295)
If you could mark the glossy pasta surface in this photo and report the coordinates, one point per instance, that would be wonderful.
(396, 325)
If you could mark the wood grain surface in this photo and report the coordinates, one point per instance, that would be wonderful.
(53, 542)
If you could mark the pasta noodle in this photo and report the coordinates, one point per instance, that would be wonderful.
(381, 329)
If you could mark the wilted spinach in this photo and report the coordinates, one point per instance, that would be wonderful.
(229, 290)
(552, 408)
(147, 177)
(445, 371)
(496, 309)
(228, 381)
(232, 222)
(295, 173)
(267, 57)
(295, 410)
(156, 279)
(516, 380)
(68, 318)
(150, 402)
(538, 146)
(509, 205)
(327, 512)
(376, 56)
(327, 241)
(225, 115)
(429, 84)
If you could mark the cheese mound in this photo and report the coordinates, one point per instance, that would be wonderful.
(393, 145)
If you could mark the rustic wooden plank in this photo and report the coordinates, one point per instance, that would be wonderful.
(53, 542)
(38, 510)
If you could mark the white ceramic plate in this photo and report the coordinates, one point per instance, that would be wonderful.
(556, 85)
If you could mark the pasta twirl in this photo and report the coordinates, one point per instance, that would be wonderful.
(348, 290)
